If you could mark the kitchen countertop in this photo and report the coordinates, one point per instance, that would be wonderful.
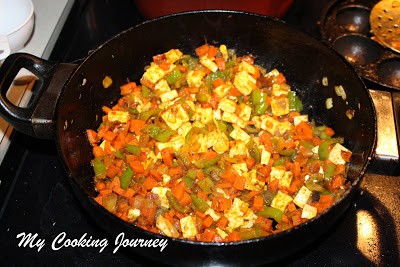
(45, 33)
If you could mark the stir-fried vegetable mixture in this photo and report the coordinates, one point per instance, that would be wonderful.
(214, 148)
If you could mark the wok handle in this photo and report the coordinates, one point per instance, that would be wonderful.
(37, 119)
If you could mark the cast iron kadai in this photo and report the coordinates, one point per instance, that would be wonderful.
(69, 98)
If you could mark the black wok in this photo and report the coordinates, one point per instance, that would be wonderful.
(69, 99)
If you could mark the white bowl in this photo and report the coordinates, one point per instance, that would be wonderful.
(16, 25)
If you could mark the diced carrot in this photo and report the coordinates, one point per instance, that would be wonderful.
(346, 155)
(178, 191)
(112, 171)
(296, 218)
(156, 174)
(234, 237)
(185, 200)
(258, 203)
(329, 131)
(100, 186)
(178, 170)
(340, 169)
(220, 63)
(234, 92)
(214, 101)
(99, 199)
(256, 75)
(230, 176)
(239, 182)
(250, 162)
(149, 183)
(128, 88)
(217, 82)
(303, 131)
(106, 109)
(280, 78)
(200, 174)
(108, 149)
(181, 68)
(137, 126)
(202, 195)
(326, 199)
(337, 181)
(92, 136)
(105, 192)
(291, 207)
(210, 154)
(273, 186)
(224, 185)
(119, 190)
(98, 151)
(165, 65)
(253, 194)
(136, 166)
(202, 50)
(222, 222)
(209, 235)
(167, 156)
(147, 83)
(200, 214)
(212, 51)
(129, 192)
(207, 221)
(115, 183)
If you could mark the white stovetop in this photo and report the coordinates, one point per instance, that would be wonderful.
(50, 16)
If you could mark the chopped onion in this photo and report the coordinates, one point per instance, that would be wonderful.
(329, 103)
(339, 90)
(350, 113)
(325, 81)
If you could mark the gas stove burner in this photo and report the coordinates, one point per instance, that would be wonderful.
(345, 25)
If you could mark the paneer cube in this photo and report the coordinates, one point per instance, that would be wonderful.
(302, 197)
(227, 105)
(265, 155)
(208, 63)
(238, 149)
(252, 183)
(195, 78)
(244, 66)
(176, 142)
(204, 115)
(335, 156)
(229, 117)
(308, 212)
(284, 127)
(154, 73)
(133, 214)
(185, 128)
(162, 87)
(280, 106)
(161, 193)
(240, 168)
(244, 82)
(281, 200)
(244, 112)
(236, 214)
(175, 116)
(173, 55)
(278, 89)
(221, 233)
(117, 115)
(222, 145)
(168, 96)
(239, 134)
(269, 124)
(188, 226)
(223, 89)
(298, 119)
(216, 216)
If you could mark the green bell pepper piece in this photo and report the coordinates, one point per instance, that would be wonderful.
(174, 76)
(294, 102)
(145, 115)
(135, 150)
(270, 212)
(199, 203)
(175, 203)
(126, 177)
(323, 148)
(330, 169)
(201, 164)
(206, 185)
(99, 168)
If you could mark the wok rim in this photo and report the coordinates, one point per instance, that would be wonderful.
(347, 194)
